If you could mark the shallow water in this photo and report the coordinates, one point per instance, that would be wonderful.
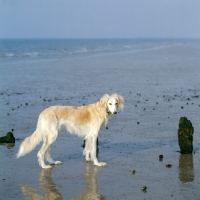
(159, 86)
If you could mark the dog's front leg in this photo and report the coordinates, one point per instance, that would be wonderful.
(93, 152)
(87, 148)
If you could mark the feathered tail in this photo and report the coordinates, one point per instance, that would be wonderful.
(29, 143)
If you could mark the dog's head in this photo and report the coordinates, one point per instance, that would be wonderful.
(112, 103)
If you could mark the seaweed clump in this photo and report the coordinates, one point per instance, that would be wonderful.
(185, 135)
(9, 138)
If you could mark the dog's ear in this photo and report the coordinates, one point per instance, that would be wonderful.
(120, 101)
(104, 100)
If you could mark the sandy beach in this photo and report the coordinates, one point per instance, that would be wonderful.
(159, 86)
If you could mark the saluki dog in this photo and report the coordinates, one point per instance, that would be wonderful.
(85, 121)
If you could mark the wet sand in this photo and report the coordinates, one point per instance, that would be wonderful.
(158, 86)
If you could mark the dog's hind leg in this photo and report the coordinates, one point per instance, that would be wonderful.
(52, 138)
(41, 154)
(50, 159)
(45, 151)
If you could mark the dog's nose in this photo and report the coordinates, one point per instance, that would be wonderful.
(115, 113)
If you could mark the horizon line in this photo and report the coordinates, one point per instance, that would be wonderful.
(99, 38)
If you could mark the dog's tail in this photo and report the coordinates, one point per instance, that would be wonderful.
(29, 143)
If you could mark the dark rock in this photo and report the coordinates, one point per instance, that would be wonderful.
(133, 171)
(144, 188)
(196, 96)
(168, 165)
(185, 135)
(9, 138)
(161, 156)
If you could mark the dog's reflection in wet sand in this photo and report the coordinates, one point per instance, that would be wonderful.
(91, 183)
(51, 193)
(48, 186)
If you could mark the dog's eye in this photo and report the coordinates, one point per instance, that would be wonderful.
(110, 104)
(116, 103)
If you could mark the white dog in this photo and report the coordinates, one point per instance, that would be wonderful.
(84, 121)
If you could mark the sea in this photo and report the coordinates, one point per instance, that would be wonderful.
(32, 49)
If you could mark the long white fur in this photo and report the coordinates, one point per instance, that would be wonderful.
(85, 121)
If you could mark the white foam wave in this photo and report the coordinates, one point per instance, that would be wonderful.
(127, 46)
(31, 54)
(9, 55)
(83, 50)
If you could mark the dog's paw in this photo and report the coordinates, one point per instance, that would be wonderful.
(88, 159)
(57, 163)
(47, 167)
(100, 164)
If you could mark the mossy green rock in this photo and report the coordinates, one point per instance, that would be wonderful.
(185, 135)
(9, 138)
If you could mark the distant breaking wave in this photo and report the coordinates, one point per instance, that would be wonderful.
(9, 55)
(63, 48)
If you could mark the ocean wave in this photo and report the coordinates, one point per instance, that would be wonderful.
(9, 55)
(30, 54)
(19, 54)
(127, 46)
(78, 47)
(82, 50)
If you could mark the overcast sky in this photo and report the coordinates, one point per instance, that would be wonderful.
(99, 18)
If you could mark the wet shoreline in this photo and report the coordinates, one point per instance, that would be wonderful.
(159, 87)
